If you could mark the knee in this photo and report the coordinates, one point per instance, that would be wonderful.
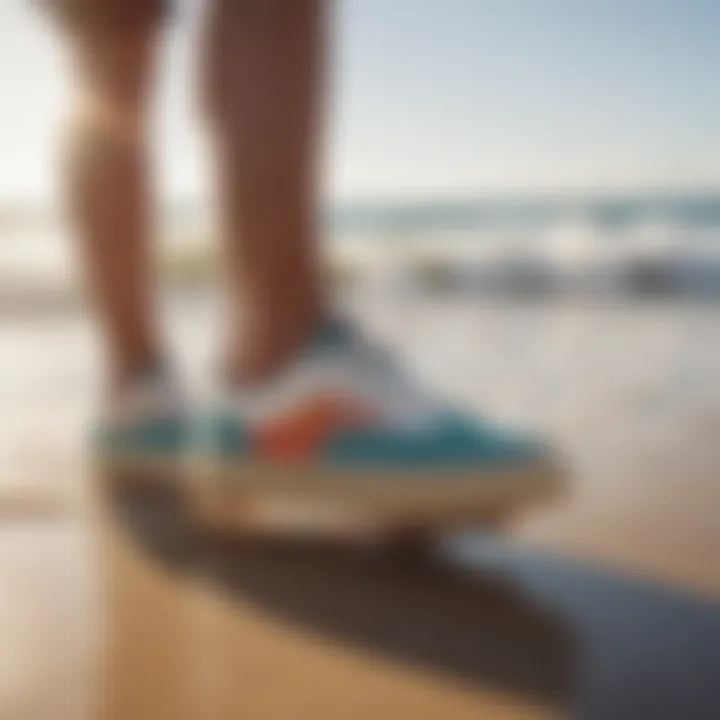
(109, 18)
(110, 43)
(113, 69)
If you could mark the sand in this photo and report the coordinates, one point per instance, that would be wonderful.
(603, 605)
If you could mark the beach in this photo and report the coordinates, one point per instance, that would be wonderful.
(604, 604)
(520, 202)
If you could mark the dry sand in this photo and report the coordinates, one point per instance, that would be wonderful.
(602, 606)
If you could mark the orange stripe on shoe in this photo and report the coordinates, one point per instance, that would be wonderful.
(301, 434)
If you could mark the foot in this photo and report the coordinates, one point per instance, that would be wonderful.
(342, 423)
(143, 428)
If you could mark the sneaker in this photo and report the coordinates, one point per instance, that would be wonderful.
(344, 425)
(144, 430)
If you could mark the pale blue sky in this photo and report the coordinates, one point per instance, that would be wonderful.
(445, 96)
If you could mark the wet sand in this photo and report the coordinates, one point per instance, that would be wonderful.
(605, 605)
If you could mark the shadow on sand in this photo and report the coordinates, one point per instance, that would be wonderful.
(586, 642)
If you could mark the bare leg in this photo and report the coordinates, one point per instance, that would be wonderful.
(263, 81)
(107, 175)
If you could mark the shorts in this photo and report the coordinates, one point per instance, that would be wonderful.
(111, 14)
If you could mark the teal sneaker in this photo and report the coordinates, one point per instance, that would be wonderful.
(344, 425)
(144, 430)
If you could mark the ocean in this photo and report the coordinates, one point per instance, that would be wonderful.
(659, 244)
(666, 244)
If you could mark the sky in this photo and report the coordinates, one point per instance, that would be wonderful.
(437, 97)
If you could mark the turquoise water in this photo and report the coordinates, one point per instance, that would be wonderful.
(616, 243)
(604, 212)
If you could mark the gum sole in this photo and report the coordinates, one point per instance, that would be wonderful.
(355, 504)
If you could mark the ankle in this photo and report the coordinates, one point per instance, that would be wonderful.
(125, 373)
(264, 345)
